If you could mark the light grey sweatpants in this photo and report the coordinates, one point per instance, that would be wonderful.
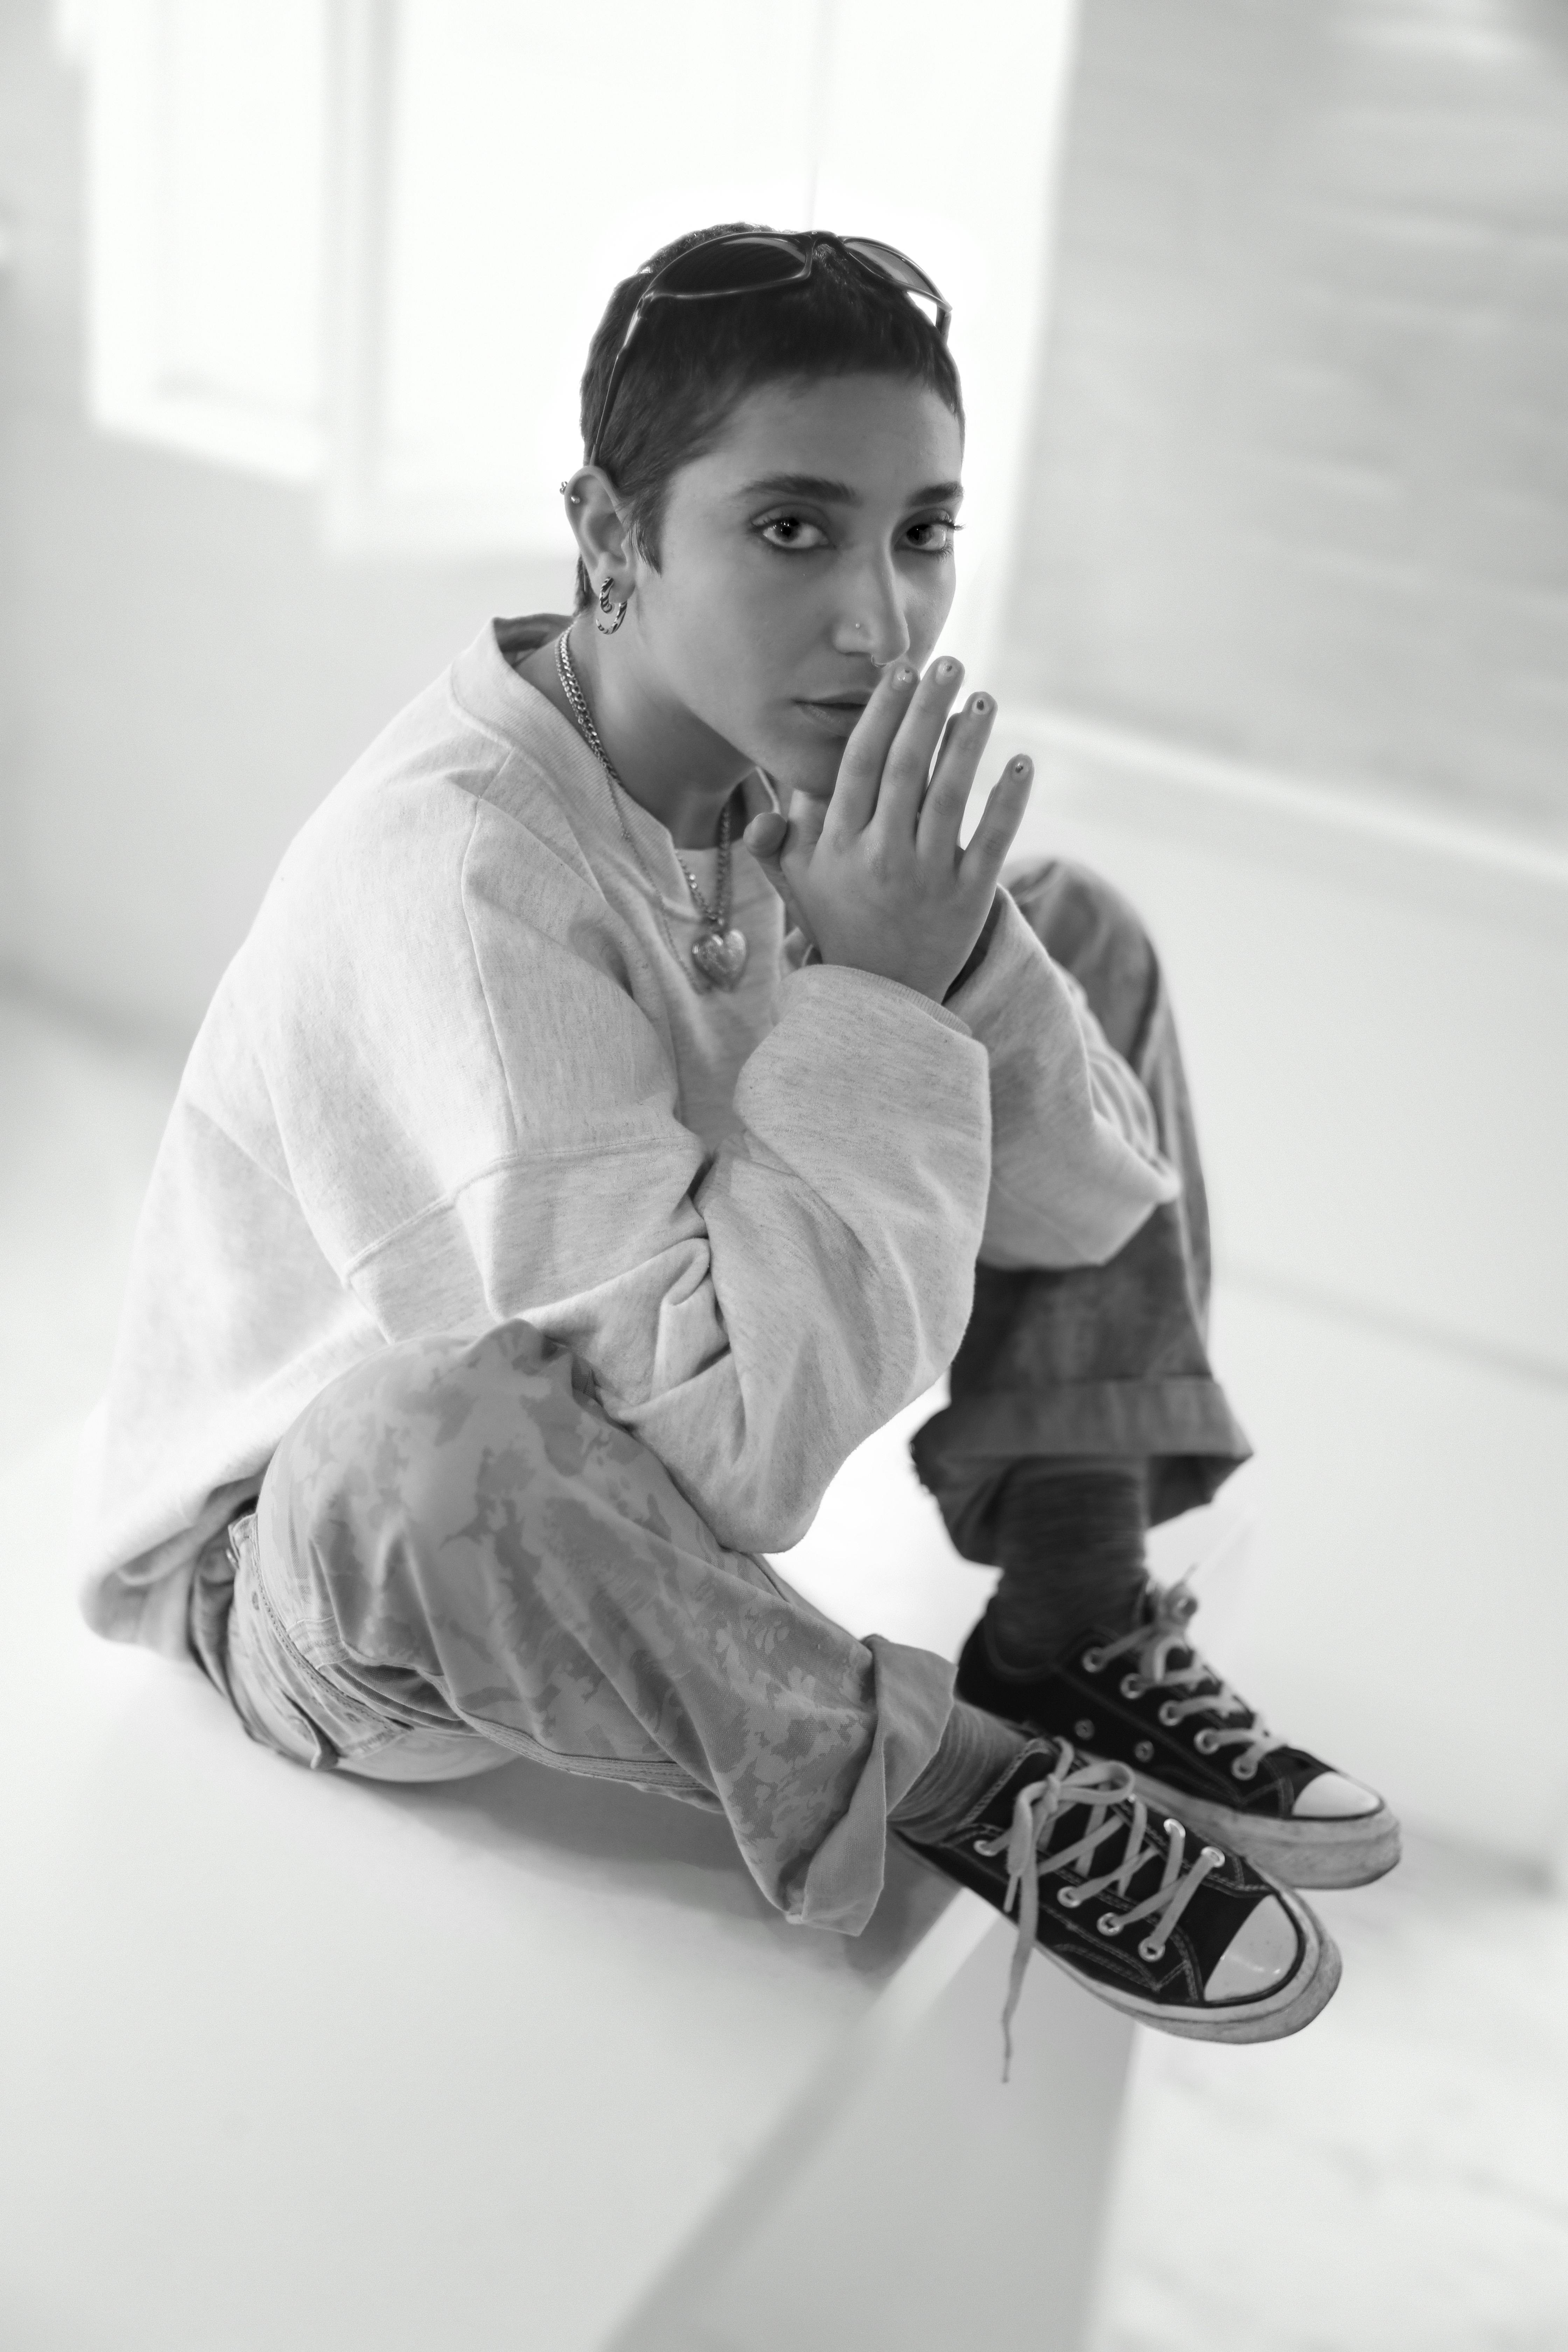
(455, 1560)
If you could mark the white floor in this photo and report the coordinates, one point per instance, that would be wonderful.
(1395, 2180)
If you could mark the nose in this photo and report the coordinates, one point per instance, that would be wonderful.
(870, 619)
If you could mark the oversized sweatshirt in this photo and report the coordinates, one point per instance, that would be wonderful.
(459, 1072)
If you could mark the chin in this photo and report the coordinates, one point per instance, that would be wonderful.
(797, 768)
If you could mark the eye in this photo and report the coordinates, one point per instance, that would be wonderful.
(792, 531)
(934, 536)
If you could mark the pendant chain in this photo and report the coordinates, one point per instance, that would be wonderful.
(716, 917)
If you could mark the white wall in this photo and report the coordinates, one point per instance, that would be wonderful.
(1301, 482)
(184, 671)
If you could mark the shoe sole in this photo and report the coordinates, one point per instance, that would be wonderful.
(1304, 1854)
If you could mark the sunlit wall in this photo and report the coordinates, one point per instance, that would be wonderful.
(1300, 485)
(183, 673)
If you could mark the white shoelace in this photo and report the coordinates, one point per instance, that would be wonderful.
(1151, 1646)
(1115, 1810)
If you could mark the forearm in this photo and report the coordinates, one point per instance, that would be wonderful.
(844, 1228)
(1075, 1165)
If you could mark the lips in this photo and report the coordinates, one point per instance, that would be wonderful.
(836, 715)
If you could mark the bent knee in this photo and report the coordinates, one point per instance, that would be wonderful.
(419, 1434)
(1086, 925)
(1076, 914)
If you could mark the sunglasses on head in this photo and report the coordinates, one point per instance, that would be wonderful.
(759, 261)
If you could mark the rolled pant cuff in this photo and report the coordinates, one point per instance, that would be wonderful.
(1136, 1418)
(1183, 1430)
(914, 1698)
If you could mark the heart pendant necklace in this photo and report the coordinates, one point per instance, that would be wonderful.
(721, 956)
(720, 953)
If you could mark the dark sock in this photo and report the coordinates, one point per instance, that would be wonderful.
(1070, 1546)
(976, 1749)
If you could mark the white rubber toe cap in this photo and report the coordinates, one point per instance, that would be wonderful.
(1261, 1955)
(1332, 1798)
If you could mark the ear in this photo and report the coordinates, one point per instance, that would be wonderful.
(603, 534)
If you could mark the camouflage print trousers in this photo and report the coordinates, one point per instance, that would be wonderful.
(456, 1559)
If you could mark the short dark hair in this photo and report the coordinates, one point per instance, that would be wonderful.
(690, 363)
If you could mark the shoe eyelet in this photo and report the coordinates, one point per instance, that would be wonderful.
(1144, 1751)
(1150, 1950)
(1205, 1743)
(1109, 1924)
(1242, 1771)
(1168, 1713)
(1091, 1661)
(1132, 1685)
(1067, 1898)
(1083, 1729)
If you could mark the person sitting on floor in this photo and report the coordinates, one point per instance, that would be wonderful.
(631, 1095)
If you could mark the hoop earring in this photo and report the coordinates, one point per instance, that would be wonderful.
(620, 613)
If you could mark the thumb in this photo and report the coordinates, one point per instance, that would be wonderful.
(765, 838)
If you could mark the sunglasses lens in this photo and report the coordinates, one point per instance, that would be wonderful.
(738, 265)
(892, 264)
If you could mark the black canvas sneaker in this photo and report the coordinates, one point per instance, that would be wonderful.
(1147, 1699)
(1179, 1934)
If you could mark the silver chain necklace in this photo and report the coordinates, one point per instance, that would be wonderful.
(719, 951)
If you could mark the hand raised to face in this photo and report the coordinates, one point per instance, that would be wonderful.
(874, 875)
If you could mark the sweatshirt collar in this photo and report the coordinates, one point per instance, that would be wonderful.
(489, 689)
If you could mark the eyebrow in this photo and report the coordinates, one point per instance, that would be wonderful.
(830, 493)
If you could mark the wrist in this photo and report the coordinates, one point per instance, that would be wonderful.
(893, 970)
(976, 955)
(895, 985)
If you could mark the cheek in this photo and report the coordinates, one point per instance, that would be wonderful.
(725, 649)
(714, 594)
(926, 610)
(738, 629)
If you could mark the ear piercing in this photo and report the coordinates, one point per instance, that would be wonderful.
(613, 608)
(606, 594)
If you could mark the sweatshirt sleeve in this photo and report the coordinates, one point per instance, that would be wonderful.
(1076, 1167)
(820, 1273)
(753, 1316)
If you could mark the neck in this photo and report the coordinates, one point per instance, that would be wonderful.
(667, 760)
